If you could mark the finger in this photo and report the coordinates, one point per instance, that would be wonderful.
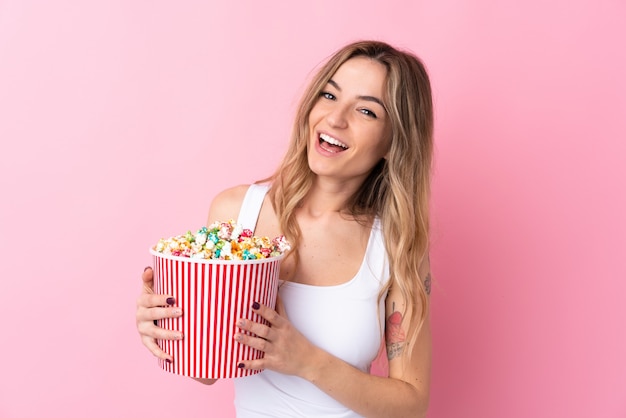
(147, 300)
(252, 364)
(151, 345)
(148, 280)
(147, 329)
(254, 342)
(260, 330)
(267, 313)
(151, 314)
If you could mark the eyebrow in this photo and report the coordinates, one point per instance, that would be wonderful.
(367, 98)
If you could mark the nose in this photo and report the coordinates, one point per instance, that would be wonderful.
(337, 117)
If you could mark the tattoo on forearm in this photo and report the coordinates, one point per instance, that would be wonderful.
(394, 350)
(394, 334)
(427, 283)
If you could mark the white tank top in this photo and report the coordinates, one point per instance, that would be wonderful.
(346, 320)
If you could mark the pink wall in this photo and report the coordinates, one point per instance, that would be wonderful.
(117, 121)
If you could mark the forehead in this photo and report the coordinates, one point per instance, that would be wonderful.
(362, 75)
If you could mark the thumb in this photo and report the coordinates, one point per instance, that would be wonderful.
(148, 280)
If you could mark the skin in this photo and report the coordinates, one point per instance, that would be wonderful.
(351, 110)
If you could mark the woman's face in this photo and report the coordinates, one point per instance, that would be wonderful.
(350, 130)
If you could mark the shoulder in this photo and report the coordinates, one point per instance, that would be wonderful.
(233, 195)
(227, 203)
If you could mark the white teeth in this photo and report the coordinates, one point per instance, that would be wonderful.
(332, 141)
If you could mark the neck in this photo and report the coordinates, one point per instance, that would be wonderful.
(328, 197)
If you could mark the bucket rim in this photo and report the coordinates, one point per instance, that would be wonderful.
(214, 261)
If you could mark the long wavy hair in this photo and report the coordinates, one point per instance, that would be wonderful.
(398, 188)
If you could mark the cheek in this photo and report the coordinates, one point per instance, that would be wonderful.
(386, 140)
(382, 144)
(387, 146)
(314, 117)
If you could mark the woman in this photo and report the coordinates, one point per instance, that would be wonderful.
(351, 195)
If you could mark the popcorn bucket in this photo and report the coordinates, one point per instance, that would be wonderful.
(213, 294)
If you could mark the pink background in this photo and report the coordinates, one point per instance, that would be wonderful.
(118, 121)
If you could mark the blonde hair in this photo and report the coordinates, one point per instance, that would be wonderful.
(398, 188)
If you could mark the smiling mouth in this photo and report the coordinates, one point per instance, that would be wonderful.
(330, 144)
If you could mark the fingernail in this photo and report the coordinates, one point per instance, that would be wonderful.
(240, 365)
(168, 361)
(256, 305)
(240, 323)
(237, 337)
(155, 322)
(170, 301)
(148, 267)
(177, 312)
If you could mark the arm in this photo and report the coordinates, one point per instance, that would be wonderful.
(405, 393)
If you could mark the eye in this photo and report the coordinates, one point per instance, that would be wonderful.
(368, 113)
(327, 95)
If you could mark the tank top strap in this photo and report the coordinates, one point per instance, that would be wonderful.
(251, 206)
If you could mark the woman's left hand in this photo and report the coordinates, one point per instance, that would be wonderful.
(286, 350)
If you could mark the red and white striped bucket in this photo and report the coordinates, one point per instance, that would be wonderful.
(213, 294)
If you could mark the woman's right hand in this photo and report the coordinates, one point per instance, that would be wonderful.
(151, 307)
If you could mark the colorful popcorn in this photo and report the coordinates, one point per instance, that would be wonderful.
(223, 241)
